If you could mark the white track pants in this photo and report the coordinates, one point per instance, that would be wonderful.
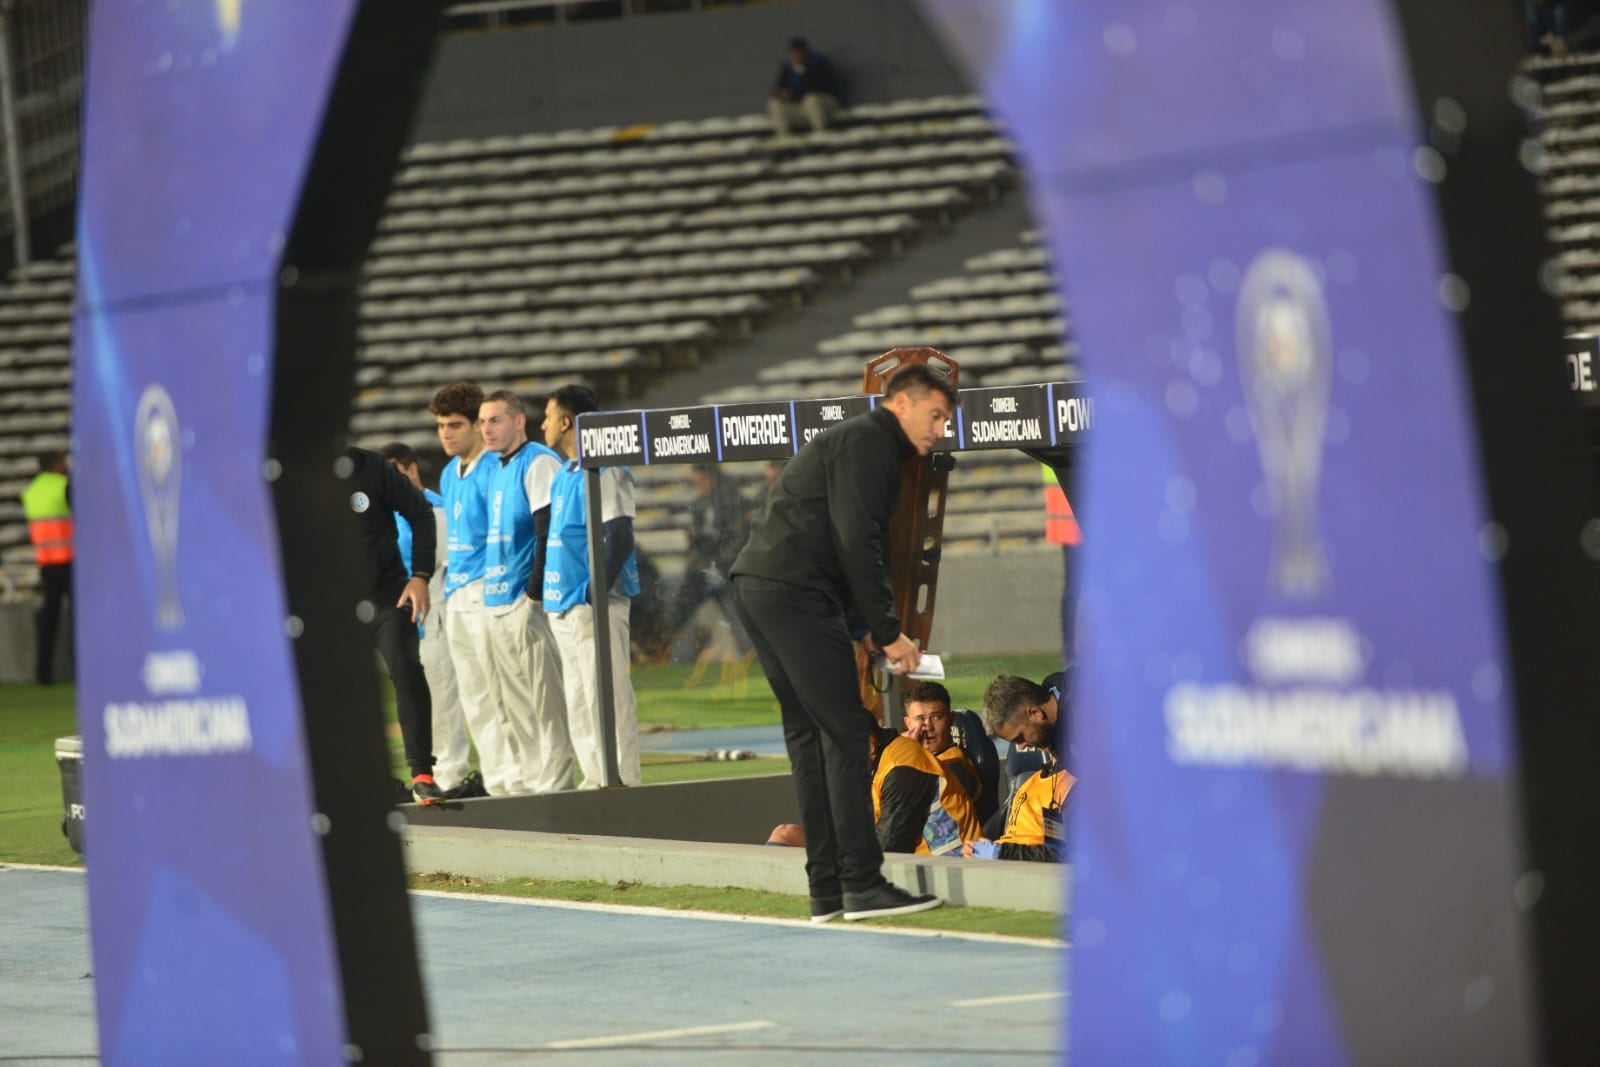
(452, 753)
(527, 669)
(574, 630)
(481, 700)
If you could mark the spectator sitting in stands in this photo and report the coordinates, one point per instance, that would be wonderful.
(1015, 709)
(807, 90)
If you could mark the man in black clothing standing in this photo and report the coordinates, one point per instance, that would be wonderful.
(813, 576)
(395, 602)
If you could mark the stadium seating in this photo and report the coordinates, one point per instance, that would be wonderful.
(618, 255)
(36, 366)
(1564, 95)
(1001, 321)
(611, 256)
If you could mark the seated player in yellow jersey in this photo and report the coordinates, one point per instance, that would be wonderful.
(1017, 710)
(930, 721)
(923, 786)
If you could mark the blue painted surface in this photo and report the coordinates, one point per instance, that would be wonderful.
(512, 978)
(193, 155)
(762, 740)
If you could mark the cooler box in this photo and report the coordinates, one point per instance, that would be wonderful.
(69, 757)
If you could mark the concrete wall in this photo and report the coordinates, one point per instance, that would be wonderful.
(495, 854)
(656, 68)
(999, 605)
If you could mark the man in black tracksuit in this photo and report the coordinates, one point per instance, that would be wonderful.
(813, 575)
(379, 492)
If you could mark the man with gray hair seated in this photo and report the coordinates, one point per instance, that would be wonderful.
(1019, 711)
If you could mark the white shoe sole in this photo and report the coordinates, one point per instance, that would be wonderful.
(904, 909)
(832, 915)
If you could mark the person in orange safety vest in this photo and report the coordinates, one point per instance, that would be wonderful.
(1061, 528)
(47, 506)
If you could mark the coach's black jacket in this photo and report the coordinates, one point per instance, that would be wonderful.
(379, 492)
(826, 520)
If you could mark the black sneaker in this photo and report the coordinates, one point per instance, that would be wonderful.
(469, 787)
(886, 900)
(425, 789)
(826, 909)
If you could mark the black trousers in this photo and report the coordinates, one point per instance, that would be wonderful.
(396, 637)
(55, 582)
(805, 648)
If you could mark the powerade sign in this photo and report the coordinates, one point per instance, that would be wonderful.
(755, 431)
(1292, 696)
(1071, 413)
(611, 438)
(211, 932)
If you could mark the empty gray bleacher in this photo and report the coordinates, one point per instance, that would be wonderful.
(621, 253)
(615, 254)
(1001, 321)
(1568, 117)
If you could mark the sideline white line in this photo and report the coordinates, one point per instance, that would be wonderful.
(758, 920)
(1019, 998)
(659, 1035)
(682, 913)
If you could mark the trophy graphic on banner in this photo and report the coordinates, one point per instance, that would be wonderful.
(1285, 364)
(157, 454)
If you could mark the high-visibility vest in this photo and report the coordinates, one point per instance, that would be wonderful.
(1035, 815)
(952, 817)
(49, 515)
(1060, 526)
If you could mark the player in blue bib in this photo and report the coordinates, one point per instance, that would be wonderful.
(526, 666)
(464, 484)
(452, 752)
(568, 595)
